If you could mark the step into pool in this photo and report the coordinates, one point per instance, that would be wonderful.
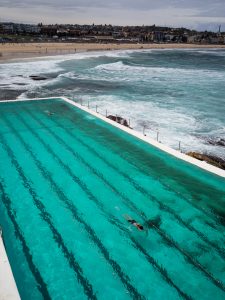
(67, 180)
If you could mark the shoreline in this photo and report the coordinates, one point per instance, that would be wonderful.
(10, 51)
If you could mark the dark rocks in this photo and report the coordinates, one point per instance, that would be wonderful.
(8, 94)
(35, 77)
(215, 141)
(119, 120)
(211, 159)
(20, 83)
(219, 142)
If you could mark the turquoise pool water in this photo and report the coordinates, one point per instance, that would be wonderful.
(67, 179)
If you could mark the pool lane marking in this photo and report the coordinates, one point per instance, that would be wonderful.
(150, 141)
(116, 169)
(123, 277)
(172, 152)
(136, 186)
(41, 284)
(209, 214)
(196, 263)
(175, 244)
(143, 191)
(112, 220)
(46, 217)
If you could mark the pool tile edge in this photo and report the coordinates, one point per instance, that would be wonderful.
(8, 288)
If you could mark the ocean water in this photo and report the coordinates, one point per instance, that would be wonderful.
(66, 181)
(178, 93)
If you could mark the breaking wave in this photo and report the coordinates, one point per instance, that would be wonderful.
(176, 92)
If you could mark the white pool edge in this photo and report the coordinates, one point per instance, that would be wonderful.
(201, 164)
(8, 288)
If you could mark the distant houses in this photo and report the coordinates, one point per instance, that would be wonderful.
(14, 28)
(106, 33)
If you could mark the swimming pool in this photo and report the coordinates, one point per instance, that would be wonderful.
(66, 180)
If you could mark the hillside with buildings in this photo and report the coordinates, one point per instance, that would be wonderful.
(14, 32)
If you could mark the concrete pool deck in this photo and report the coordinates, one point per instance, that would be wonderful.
(8, 288)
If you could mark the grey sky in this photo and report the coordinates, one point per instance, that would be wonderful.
(199, 14)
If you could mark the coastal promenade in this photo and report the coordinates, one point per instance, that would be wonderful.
(10, 51)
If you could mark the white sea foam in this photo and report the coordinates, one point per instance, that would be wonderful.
(173, 125)
(70, 75)
(96, 54)
(147, 95)
(214, 52)
(120, 66)
(16, 76)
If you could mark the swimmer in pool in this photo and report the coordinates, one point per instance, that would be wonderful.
(49, 113)
(134, 223)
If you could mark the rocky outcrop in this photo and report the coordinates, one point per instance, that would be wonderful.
(119, 120)
(211, 159)
(8, 94)
(214, 141)
(35, 77)
(218, 142)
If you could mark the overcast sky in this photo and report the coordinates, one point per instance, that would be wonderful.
(197, 14)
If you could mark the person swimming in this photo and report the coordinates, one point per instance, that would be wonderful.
(49, 113)
(134, 223)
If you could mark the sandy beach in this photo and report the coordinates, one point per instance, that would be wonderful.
(27, 50)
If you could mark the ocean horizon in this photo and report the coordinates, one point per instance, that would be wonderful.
(179, 93)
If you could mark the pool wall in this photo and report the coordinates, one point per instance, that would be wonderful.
(8, 288)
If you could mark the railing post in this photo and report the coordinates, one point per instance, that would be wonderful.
(179, 146)
(144, 130)
(129, 122)
(157, 138)
(88, 105)
(81, 102)
(106, 114)
(96, 108)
